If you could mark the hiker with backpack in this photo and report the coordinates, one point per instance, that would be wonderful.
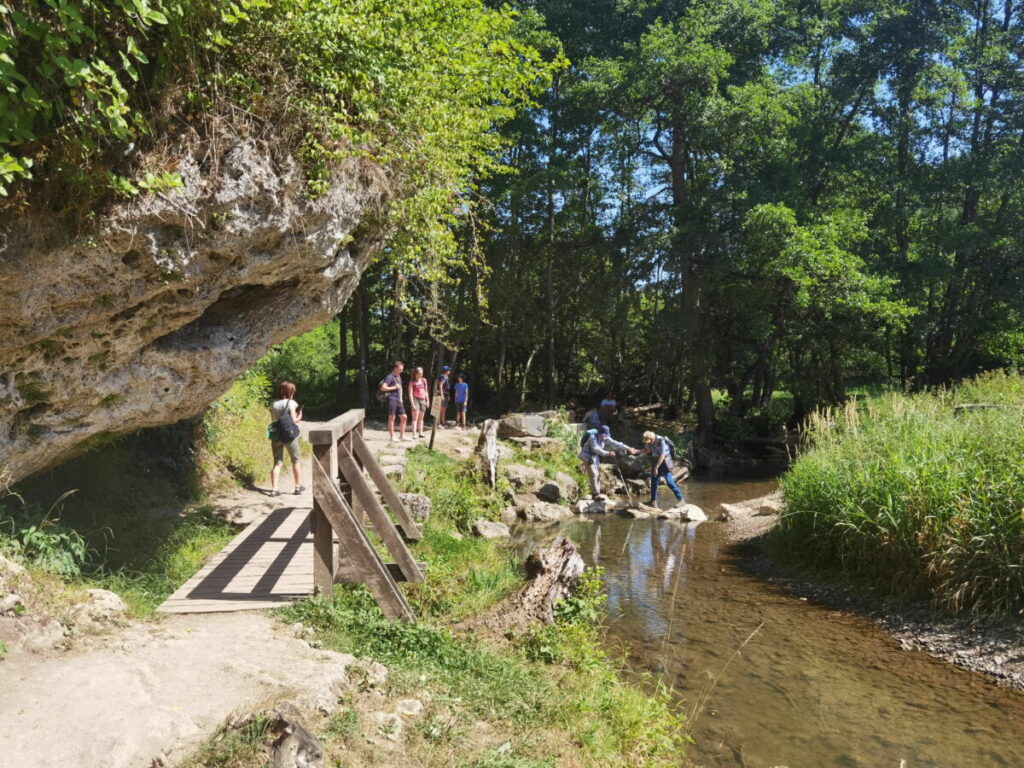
(389, 391)
(443, 388)
(595, 444)
(663, 451)
(285, 415)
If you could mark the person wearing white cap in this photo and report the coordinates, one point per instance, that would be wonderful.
(595, 418)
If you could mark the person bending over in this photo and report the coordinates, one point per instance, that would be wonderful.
(596, 447)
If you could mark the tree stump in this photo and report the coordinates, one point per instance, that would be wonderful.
(487, 451)
(553, 572)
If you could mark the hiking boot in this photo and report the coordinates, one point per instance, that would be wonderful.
(275, 492)
(299, 489)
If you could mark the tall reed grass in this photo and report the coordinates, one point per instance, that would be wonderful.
(924, 498)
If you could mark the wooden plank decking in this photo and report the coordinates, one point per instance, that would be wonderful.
(268, 564)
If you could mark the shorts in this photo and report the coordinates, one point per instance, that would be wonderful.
(396, 407)
(419, 405)
(444, 403)
(461, 407)
(278, 448)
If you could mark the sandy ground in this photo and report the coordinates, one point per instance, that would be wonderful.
(154, 689)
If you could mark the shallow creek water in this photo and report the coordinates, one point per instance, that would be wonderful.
(814, 687)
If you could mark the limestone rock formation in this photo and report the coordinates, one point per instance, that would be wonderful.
(522, 477)
(145, 316)
(521, 425)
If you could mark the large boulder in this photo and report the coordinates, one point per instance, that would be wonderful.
(145, 314)
(522, 477)
(544, 512)
(537, 443)
(763, 506)
(101, 605)
(417, 505)
(521, 425)
(487, 529)
(570, 488)
(687, 513)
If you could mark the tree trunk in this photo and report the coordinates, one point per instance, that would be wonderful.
(362, 313)
(342, 360)
(689, 254)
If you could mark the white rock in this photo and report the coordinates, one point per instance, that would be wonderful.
(487, 529)
(409, 707)
(9, 603)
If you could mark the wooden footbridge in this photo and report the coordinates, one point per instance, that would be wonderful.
(293, 552)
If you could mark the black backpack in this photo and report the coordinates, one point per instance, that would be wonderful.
(287, 429)
(585, 438)
(382, 397)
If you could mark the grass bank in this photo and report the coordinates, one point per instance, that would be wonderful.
(918, 496)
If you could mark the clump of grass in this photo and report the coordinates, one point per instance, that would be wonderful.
(488, 684)
(147, 581)
(459, 494)
(920, 497)
(233, 748)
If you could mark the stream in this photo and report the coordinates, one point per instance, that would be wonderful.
(812, 688)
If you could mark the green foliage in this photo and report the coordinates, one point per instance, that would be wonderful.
(235, 428)
(74, 76)
(458, 493)
(488, 684)
(925, 501)
(310, 361)
(3, 650)
(39, 539)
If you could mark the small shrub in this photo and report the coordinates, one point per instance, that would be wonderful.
(39, 539)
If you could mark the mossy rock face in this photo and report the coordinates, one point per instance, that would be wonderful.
(148, 317)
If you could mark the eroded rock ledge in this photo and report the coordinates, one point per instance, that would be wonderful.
(151, 315)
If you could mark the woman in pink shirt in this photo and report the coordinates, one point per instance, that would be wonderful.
(418, 397)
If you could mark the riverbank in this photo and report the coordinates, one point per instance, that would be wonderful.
(995, 649)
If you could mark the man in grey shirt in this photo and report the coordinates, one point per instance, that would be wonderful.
(597, 447)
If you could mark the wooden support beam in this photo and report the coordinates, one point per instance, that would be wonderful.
(330, 432)
(405, 521)
(382, 524)
(323, 539)
(361, 553)
(345, 575)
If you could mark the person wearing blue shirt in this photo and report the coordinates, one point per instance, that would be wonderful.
(658, 447)
(461, 400)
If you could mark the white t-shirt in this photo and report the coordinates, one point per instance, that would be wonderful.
(280, 407)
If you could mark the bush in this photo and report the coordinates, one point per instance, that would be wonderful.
(311, 361)
(235, 429)
(920, 498)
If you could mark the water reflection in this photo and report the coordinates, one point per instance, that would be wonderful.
(813, 688)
